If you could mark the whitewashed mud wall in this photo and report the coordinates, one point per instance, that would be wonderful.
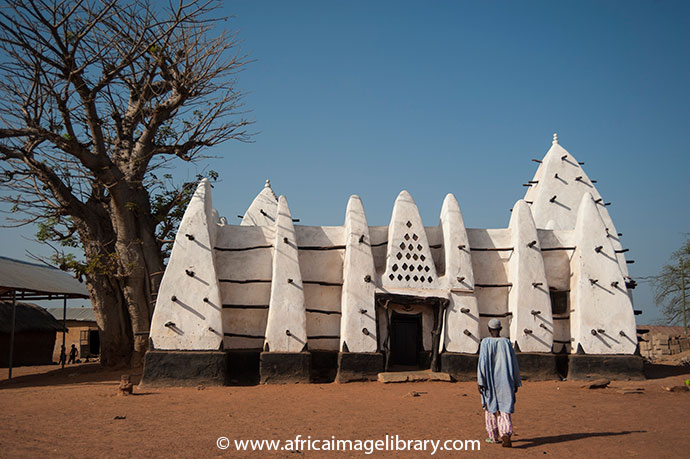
(286, 325)
(491, 251)
(461, 331)
(271, 285)
(188, 313)
(321, 262)
(358, 331)
(556, 250)
(530, 327)
(244, 257)
(601, 322)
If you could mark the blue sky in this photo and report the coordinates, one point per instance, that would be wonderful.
(370, 98)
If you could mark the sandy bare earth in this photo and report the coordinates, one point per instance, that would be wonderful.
(76, 413)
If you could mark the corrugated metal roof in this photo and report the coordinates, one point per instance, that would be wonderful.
(662, 329)
(30, 277)
(80, 314)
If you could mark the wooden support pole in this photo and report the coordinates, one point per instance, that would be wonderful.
(64, 330)
(14, 319)
(386, 344)
(436, 334)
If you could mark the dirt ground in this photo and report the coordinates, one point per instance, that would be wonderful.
(76, 413)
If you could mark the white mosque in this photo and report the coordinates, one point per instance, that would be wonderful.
(272, 301)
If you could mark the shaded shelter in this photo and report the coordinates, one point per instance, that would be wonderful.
(20, 280)
(34, 334)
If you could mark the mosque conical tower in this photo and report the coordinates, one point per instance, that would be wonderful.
(556, 191)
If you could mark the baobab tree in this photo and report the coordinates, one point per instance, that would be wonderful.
(97, 100)
(672, 287)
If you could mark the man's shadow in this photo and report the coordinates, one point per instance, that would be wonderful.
(524, 443)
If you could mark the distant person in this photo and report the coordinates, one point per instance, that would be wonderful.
(498, 378)
(73, 353)
(63, 355)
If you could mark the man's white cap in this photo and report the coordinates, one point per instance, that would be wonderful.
(495, 324)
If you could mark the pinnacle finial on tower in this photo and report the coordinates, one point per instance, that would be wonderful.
(268, 185)
(555, 138)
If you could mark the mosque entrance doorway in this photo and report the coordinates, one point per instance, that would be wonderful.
(409, 330)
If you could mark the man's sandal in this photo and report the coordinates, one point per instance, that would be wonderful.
(506, 443)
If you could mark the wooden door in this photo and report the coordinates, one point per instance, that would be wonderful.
(406, 333)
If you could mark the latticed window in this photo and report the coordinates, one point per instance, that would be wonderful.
(411, 262)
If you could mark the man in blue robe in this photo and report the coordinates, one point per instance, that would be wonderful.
(498, 378)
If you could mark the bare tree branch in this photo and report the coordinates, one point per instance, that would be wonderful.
(672, 284)
(97, 97)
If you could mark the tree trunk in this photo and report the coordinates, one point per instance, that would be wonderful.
(112, 319)
(139, 257)
(121, 253)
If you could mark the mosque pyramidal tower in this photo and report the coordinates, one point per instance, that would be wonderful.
(271, 301)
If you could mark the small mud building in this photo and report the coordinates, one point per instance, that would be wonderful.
(34, 334)
(82, 331)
